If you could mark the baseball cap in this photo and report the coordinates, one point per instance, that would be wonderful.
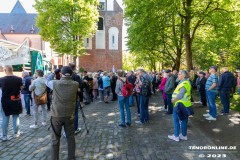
(214, 67)
(168, 71)
(202, 73)
(66, 71)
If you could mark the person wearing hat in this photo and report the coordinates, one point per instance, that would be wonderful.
(62, 111)
(211, 89)
(200, 83)
(168, 89)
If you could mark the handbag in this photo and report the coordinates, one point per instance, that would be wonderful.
(41, 99)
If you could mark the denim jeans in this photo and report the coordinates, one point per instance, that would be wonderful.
(177, 122)
(169, 103)
(238, 90)
(101, 94)
(131, 101)
(124, 102)
(27, 98)
(5, 122)
(211, 98)
(76, 116)
(144, 113)
(225, 99)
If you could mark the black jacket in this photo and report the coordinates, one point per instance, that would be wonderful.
(201, 84)
(226, 81)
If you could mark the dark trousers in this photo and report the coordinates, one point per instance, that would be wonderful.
(138, 103)
(76, 115)
(203, 97)
(57, 124)
(225, 100)
(27, 98)
(49, 100)
(113, 92)
(144, 113)
(169, 103)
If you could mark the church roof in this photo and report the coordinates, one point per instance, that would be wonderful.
(18, 21)
(18, 8)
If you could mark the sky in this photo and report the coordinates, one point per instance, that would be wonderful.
(7, 5)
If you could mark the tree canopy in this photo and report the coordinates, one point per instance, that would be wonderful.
(190, 32)
(65, 23)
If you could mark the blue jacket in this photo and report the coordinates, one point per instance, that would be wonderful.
(226, 81)
(26, 81)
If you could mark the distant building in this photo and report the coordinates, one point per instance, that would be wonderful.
(104, 49)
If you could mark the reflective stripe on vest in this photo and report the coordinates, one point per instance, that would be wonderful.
(186, 100)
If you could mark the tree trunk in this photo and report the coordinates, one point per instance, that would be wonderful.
(187, 35)
(188, 44)
(178, 60)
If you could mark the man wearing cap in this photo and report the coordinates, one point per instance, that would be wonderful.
(62, 111)
(200, 83)
(169, 88)
(211, 89)
(225, 85)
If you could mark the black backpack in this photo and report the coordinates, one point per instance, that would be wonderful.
(146, 87)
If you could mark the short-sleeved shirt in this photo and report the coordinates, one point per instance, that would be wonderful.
(106, 81)
(11, 85)
(213, 78)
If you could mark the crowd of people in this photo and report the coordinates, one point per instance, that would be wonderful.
(63, 92)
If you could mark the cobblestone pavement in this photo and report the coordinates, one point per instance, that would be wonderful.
(108, 141)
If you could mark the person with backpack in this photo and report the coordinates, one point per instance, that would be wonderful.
(131, 79)
(123, 90)
(145, 93)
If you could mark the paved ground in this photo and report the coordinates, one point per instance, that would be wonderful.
(108, 141)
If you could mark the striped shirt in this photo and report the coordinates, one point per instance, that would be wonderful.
(213, 78)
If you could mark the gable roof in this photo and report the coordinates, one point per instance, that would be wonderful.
(18, 8)
(20, 23)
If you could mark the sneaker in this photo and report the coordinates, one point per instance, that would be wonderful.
(100, 101)
(16, 135)
(64, 134)
(78, 130)
(128, 124)
(222, 114)
(172, 137)
(4, 139)
(211, 118)
(122, 125)
(138, 122)
(206, 115)
(34, 126)
(182, 137)
(44, 123)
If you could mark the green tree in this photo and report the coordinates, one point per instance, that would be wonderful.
(165, 26)
(65, 23)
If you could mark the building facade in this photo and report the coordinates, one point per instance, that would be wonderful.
(104, 50)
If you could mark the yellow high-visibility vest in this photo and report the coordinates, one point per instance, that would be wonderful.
(186, 100)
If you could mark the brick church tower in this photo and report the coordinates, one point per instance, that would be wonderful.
(105, 48)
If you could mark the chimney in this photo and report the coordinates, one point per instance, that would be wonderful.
(32, 30)
(12, 29)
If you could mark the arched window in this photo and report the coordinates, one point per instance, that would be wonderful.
(113, 38)
(100, 23)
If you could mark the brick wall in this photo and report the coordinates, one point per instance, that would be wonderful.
(104, 59)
